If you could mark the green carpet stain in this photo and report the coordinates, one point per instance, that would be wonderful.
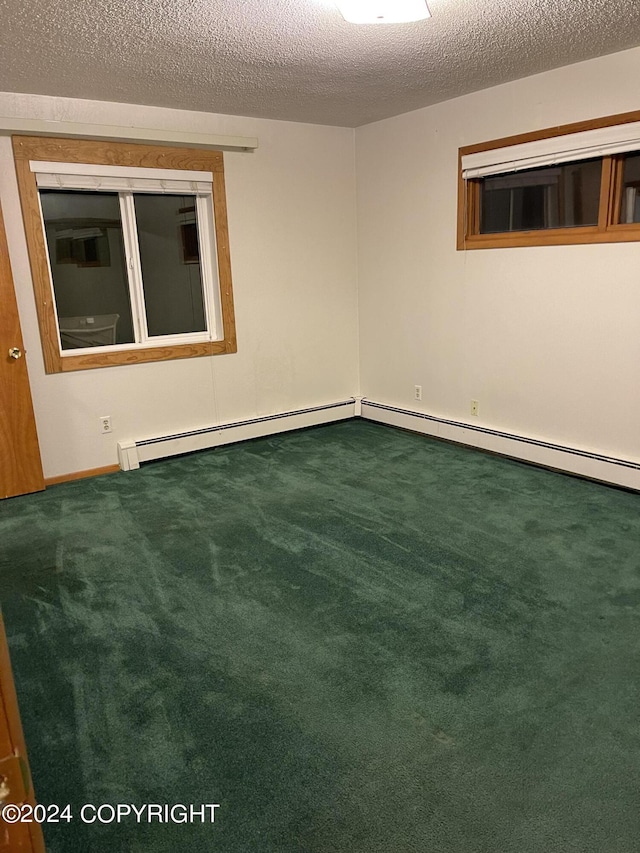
(352, 638)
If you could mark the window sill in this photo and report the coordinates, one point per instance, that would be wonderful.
(555, 237)
(88, 361)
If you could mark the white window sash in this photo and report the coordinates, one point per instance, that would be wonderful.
(164, 341)
(209, 265)
(571, 147)
(126, 181)
(134, 268)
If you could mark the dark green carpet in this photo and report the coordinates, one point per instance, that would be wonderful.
(352, 638)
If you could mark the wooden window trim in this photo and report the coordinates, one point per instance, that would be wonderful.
(62, 150)
(605, 209)
(608, 229)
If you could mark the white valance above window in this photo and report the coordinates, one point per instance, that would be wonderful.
(584, 145)
(85, 176)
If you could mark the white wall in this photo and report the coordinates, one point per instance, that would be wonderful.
(291, 207)
(546, 339)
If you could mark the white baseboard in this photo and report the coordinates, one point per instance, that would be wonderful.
(132, 453)
(573, 460)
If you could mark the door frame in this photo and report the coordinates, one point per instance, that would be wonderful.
(14, 766)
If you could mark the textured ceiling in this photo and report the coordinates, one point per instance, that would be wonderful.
(295, 59)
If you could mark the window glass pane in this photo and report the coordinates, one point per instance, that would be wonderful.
(170, 259)
(630, 202)
(562, 196)
(86, 252)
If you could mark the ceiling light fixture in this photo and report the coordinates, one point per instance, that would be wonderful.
(383, 11)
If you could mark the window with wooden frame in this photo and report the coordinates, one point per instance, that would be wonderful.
(578, 183)
(129, 251)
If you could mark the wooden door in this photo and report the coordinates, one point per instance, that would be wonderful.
(15, 777)
(20, 465)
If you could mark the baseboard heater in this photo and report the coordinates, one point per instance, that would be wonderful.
(573, 460)
(132, 453)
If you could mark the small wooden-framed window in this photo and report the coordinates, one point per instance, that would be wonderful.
(116, 279)
(574, 184)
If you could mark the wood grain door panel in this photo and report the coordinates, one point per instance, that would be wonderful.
(20, 464)
(16, 839)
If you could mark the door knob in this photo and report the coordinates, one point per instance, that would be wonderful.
(15, 352)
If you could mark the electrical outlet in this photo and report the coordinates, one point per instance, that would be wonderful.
(105, 423)
(474, 407)
(417, 392)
